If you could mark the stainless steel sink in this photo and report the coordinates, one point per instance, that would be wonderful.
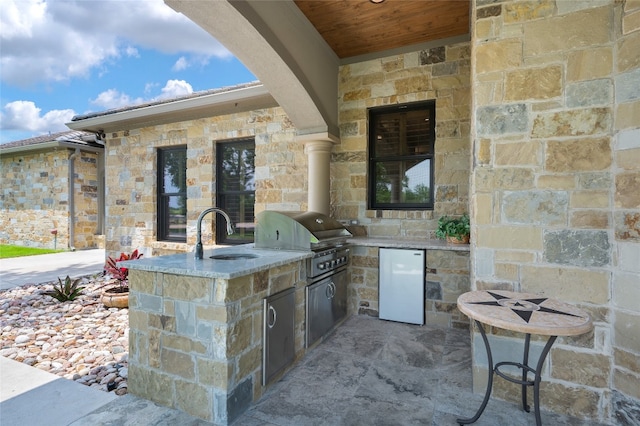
(233, 256)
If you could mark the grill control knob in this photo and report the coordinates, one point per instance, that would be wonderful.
(321, 266)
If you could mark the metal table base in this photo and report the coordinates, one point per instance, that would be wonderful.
(526, 369)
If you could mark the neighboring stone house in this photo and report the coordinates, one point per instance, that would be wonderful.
(52, 191)
(538, 137)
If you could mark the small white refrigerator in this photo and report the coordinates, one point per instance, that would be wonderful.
(402, 285)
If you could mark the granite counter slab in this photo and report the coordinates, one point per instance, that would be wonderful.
(186, 264)
(427, 244)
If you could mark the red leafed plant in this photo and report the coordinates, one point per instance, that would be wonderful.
(121, 274)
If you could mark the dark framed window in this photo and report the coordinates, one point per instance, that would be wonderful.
(401, 156)
(172, 194)
(236, 188)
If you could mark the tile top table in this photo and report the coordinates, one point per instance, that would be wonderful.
(525, 313)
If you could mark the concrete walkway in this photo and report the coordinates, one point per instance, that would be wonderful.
(29, 396)
(44, 268)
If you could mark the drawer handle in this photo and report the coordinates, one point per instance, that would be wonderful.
(330, 292)
(271, 324)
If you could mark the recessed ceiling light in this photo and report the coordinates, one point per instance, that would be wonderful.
(376, 1)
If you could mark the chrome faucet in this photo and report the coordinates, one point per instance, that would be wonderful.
(199, 250)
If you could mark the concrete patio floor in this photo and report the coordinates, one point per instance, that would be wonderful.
(369, 372)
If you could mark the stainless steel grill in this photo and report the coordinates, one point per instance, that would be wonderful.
(298, 231)
(323, 235)
(326, 270)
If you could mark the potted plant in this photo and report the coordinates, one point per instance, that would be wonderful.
(118, 296)
(454, 229)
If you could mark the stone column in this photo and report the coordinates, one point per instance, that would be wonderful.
(318, 148)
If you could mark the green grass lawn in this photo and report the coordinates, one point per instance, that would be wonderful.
(7, 251)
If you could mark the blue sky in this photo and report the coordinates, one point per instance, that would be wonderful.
(60, 58)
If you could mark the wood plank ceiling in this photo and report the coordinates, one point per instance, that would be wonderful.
(363, 27)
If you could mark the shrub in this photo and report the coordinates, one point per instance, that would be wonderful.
(70, 290)
(120, 274)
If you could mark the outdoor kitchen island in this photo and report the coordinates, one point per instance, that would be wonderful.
(195, 326)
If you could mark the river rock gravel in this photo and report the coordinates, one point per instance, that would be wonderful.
(79, 340)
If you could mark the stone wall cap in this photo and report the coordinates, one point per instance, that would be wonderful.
(405, 243)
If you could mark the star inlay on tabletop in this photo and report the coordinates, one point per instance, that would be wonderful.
(524, 308)
(528, 313)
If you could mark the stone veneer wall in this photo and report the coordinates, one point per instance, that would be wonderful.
(195, 344)
(556, 205)
(442, 74)
(87, 234)
(131, 161)
(35, 199)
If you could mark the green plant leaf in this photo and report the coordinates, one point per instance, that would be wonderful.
(453, 226)
(69, 290)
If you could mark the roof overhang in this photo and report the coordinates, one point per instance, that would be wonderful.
(192, 108)
(50, 146)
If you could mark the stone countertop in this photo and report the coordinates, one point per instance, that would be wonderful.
(399, 242)
(186, 264)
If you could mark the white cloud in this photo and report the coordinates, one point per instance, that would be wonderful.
(18, 18)
(181, 64)
(112, 98)
(194, 60)
(149, 87)
(25, 116)
(57, 40)
(132, 52)
(175, 88)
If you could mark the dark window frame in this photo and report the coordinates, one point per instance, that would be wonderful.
(374, 116)
(221, 194)
(164, 219)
